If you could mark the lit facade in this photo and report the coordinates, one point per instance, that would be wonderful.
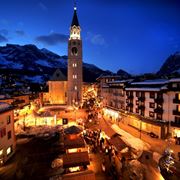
(7, 137)
(153, 106)
(57, 88)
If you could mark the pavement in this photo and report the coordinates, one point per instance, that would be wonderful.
(157, 145)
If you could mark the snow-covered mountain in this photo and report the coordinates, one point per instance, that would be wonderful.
(37, 65)
(171, 65)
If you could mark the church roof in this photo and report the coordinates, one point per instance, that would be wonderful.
(75, 21)
(58, 76)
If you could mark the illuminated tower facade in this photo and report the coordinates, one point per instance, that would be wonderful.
(75, 78)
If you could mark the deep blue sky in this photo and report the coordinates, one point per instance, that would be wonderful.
(134, 35)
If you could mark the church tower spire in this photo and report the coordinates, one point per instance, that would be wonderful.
(75, 29)
(75, 77)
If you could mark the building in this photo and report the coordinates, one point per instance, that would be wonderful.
(151, 105)
(7, 136)
(75, 78)
(58, 88)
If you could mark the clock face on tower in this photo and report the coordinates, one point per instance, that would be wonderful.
(74, 51)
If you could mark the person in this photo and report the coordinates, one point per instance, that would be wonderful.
(103, 165)
(179, 155)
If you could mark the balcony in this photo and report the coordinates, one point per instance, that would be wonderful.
(142, 107)
(130, 97)
(176, 112)
(176, 101)
(159, 100)
(158, 110)
(130, 104)
(142, 98)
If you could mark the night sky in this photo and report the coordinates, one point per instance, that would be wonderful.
(134, 35)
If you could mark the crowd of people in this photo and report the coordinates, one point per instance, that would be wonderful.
(111, 164)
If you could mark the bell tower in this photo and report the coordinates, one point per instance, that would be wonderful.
(75, 78)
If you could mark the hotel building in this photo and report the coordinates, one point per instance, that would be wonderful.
(151, 105)
(7, 137)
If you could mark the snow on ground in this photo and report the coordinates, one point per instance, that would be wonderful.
(16, 65)
(43, 63)
(38, 130)
(130, 140)
(35, 79)
(3, 61)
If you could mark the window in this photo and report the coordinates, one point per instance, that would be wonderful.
(9, 134)
(74, 76)
(8, 119)
(142, 113)
(178, 108)
(9, 150)
(74, 65)
(152, 94)
(177, 120)
(160, 95)
(2, 132)
(174, 85)
(75, 87)
(151, 105)
(151, 114)
(137, 110)
(159, 116)
(159, 105)
(142, 94)
(1, 152)
(137, 94)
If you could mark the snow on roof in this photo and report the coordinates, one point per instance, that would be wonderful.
(130, 140)
(174, 80)
(150, 82)
(4, 106)
(120, 81)
(142, 89)
(104, 86)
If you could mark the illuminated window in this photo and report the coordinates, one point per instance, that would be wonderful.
(74, 76)
(8, 119)
(1, 152)
(151, 114)
(75, 87)
(179, 96)
(174, 85)
(9, 150)
(178, 108)
(74, 65)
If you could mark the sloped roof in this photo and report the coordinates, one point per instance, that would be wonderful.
(58, 76)
(73, 143)
(75, 159)
(75, 21)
